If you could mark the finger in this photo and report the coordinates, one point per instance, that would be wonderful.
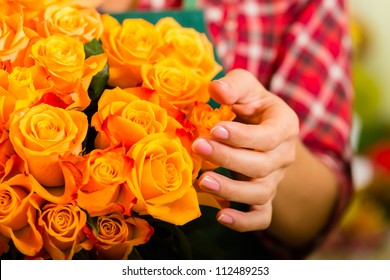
(263, 137)
(254, 192)
(258, 218)
(253, 164)
(238, 86)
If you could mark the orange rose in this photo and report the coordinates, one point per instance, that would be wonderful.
(22, 87)
(63, 59)
(4, 247)
(123, 118)
(43, 133)
(162, 179)
(29, 86)
(18, 216)
(83, 24)
(129, 45)
(7, 105)
(21, 84)
(204, 117)
(102, 189)
(62, 230)
(37, 4)
(10, 163)
(9, 7)
(190, 47)
(14, 38)
(178, 84)
(117, 236)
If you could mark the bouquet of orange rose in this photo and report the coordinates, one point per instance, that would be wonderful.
(97, 119)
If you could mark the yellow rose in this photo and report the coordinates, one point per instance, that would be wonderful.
(26, 87)
(117, 235)
(21, 83)
(18, 216)
(41, 134)
(190, 47)
(21, 87)
(22, 78)
(102, 189)
(63, 59)
(178, 84)
(14, 38)
(83, 24)
(162, 179)
(166, 24)
(62, 229)
(129, 45)
(123, 118)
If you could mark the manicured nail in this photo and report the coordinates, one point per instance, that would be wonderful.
(225, 219)
(201, 146)
(222, 84)
(209, 183)
(220, 132)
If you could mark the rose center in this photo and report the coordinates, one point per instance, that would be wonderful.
(62, 220)
(48, 129)
(5, 202)
(103, 171)
(71, 21)
(110, 227)
(171, 173)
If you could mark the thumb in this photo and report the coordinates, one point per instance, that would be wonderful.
(237, 87)
(244, 92)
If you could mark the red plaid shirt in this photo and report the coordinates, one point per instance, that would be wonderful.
(299, 50)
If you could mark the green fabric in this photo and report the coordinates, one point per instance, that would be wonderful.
(188, 18)
(189, 4)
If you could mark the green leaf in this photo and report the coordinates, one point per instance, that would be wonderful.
(180, 241)
(99, 81)
(92, 221)
(167, 242)
(98, 84)
(93, 47)
(134, 255)
(81, 255)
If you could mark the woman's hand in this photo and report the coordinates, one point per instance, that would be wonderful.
(259, 145)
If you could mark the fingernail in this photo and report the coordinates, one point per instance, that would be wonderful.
(222, 83)
(225, 219)
(201, 146)
(209, 183)
(219, 132)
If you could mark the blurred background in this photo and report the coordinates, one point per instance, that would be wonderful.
(365, 230)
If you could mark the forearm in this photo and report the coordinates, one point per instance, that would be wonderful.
(305, 199)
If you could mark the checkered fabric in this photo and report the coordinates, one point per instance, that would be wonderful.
(300, 51)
